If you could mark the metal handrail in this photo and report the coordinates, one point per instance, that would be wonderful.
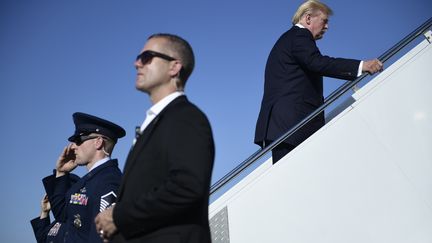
(329, 100)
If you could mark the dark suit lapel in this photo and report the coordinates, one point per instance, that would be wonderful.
(143, 139)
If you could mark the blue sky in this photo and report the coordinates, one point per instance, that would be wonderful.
(59, 57)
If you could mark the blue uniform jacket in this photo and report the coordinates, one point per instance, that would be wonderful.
(76, 205)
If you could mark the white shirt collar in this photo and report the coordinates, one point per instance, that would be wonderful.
(300, 26)
(100, 162)
(158, 107)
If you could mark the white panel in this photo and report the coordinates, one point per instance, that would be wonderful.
(233, 192)
(400, 113)
(322, 194)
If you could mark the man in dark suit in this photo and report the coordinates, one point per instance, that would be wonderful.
(164, 193)
(75, 203)
(294, 79)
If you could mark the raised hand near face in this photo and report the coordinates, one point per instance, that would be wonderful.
(66, 161)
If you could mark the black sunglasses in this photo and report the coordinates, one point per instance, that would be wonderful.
(81, 139)
(147, 56)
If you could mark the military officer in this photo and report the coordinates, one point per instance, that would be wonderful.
(75, 205)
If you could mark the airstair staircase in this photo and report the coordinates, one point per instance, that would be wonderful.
(366, 176)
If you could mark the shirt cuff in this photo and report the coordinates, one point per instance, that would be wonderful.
(359, 72)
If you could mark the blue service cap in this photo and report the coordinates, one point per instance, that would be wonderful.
(86, 124)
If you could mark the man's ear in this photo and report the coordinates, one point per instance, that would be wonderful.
(308, 18)
(99, 143)
(175, 68)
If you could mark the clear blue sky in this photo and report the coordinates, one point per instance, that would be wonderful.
(59, 57)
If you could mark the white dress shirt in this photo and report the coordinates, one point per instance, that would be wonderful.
(157, 108)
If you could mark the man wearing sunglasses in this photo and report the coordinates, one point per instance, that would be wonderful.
(75, 204)
(164, 192)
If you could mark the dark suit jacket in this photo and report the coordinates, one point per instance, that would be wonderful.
(164, 192)
(294, 86)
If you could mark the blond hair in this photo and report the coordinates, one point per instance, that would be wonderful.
(310, 7)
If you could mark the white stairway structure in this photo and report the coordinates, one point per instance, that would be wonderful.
(366, 176)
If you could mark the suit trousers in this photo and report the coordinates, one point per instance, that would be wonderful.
(280, 151)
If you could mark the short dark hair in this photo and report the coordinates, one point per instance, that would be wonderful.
(182, 48)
